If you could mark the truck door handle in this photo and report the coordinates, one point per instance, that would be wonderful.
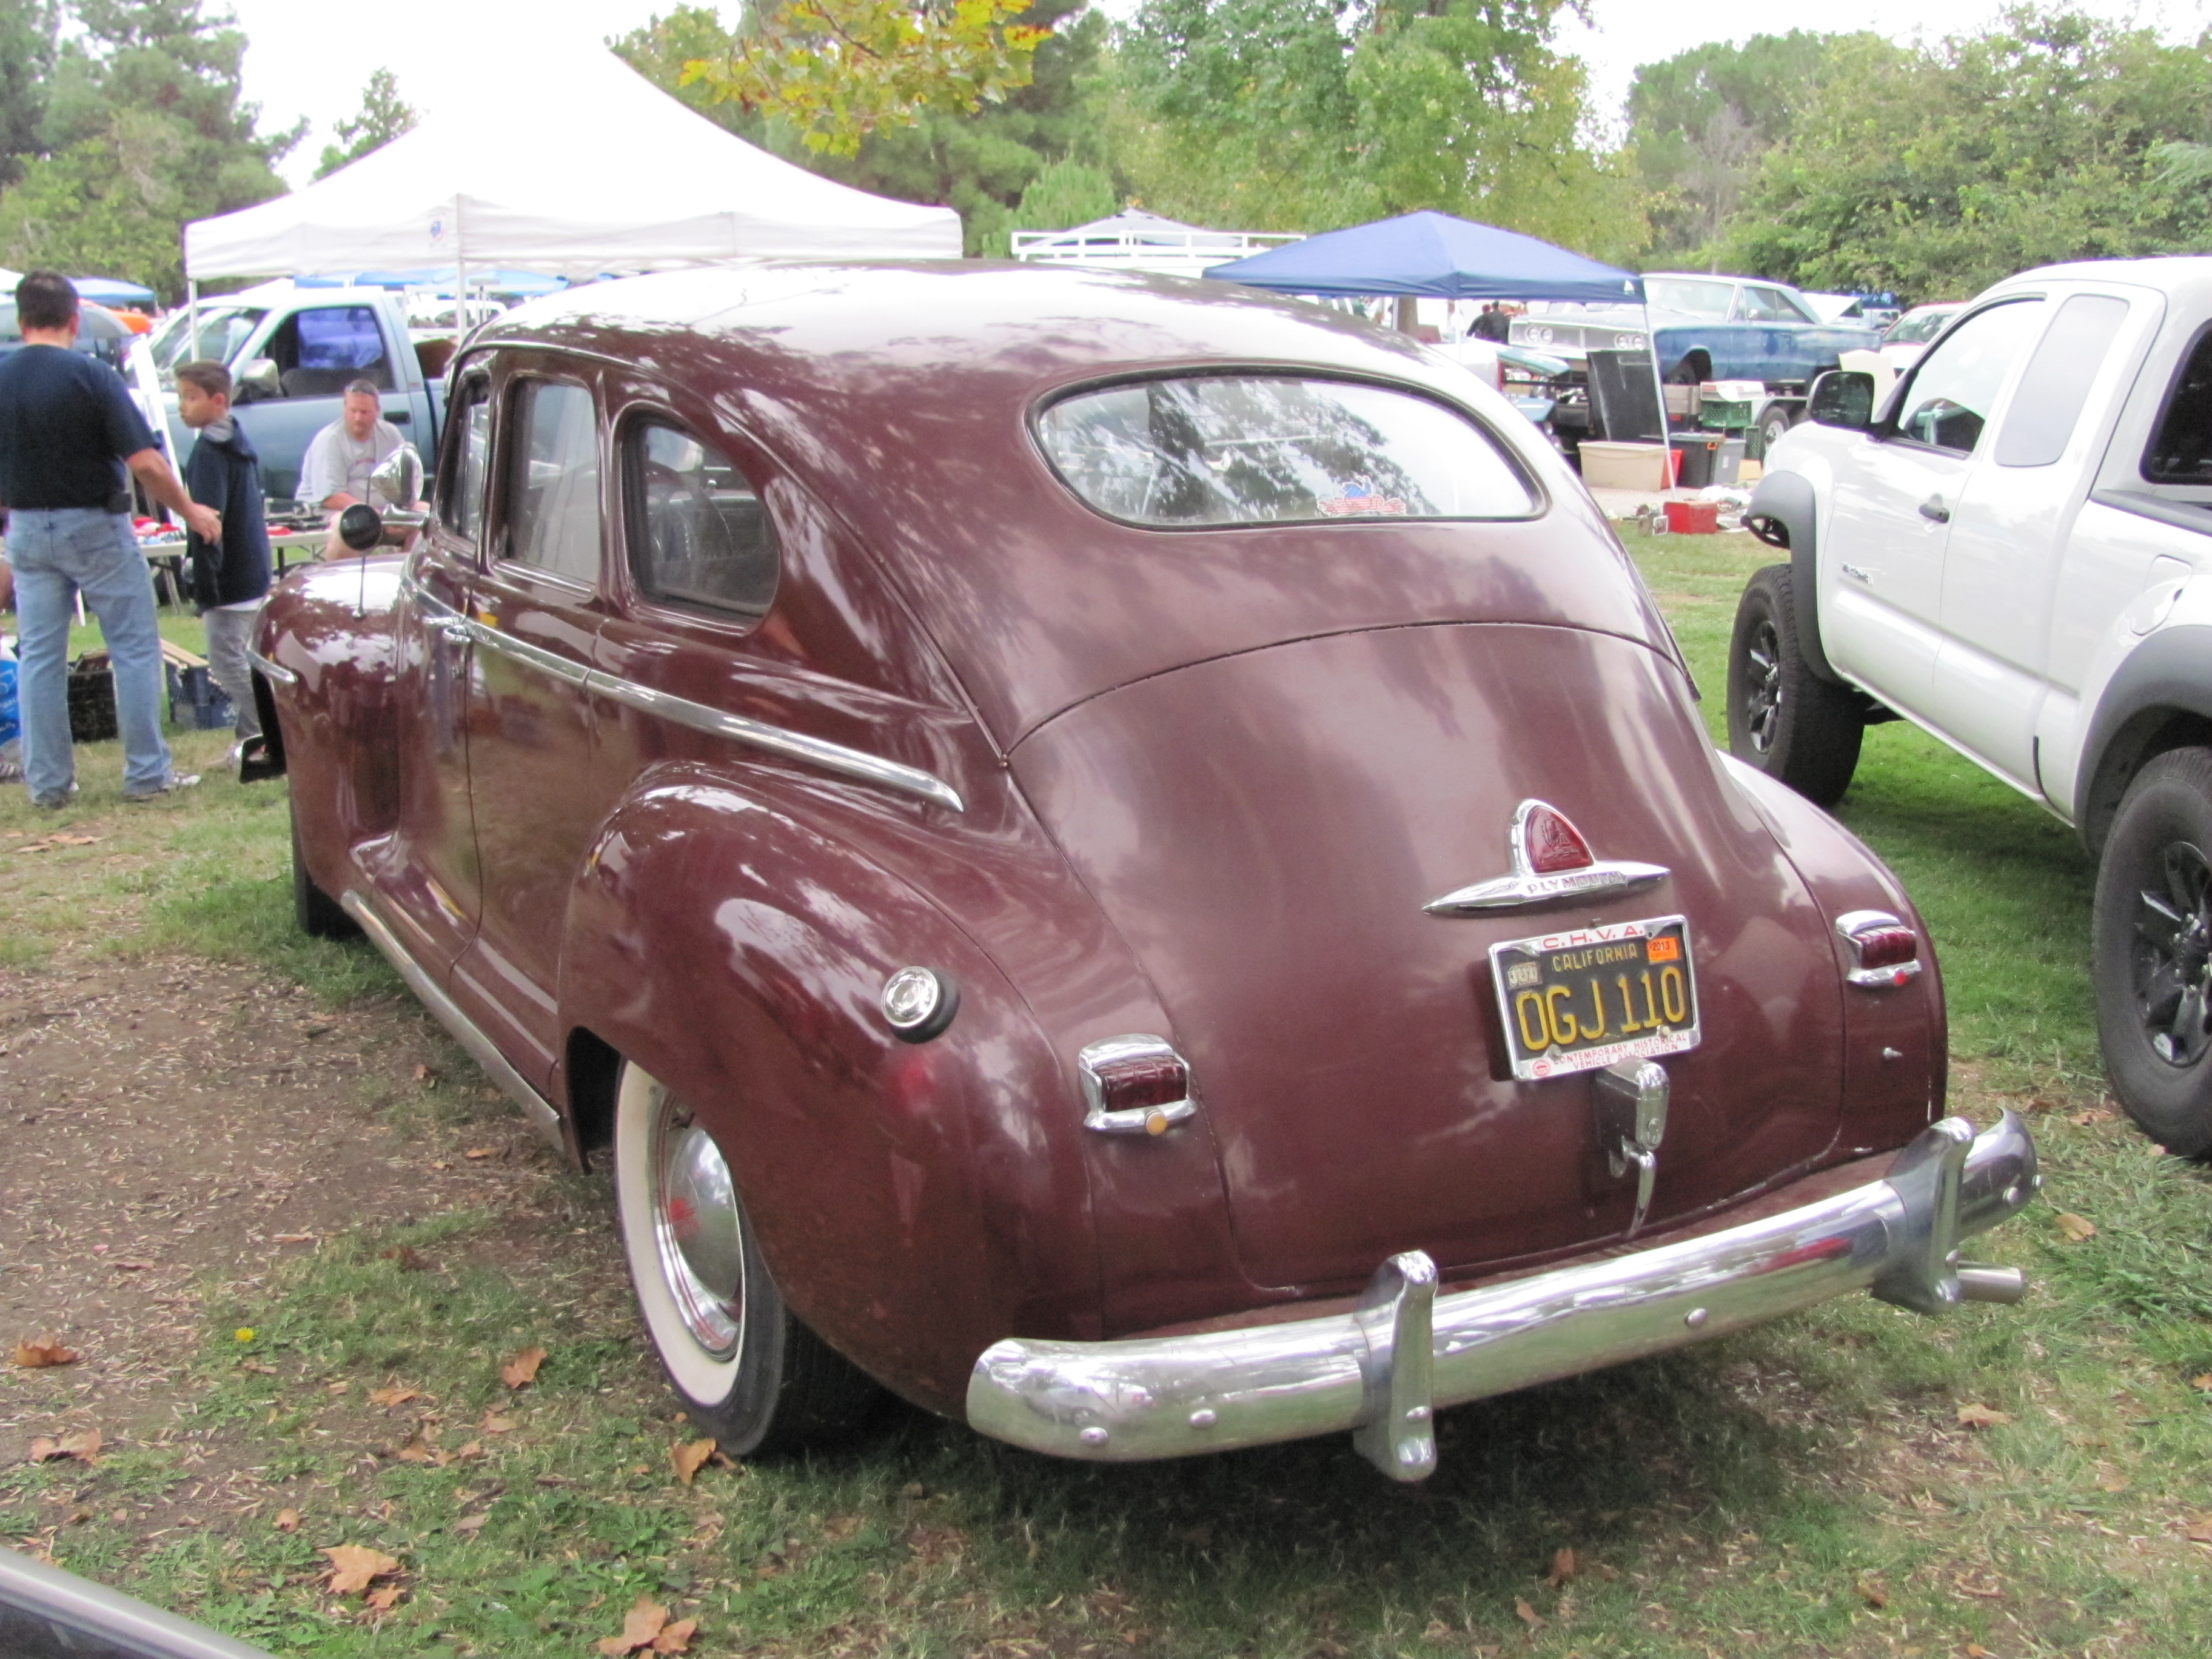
(1932, 507)
(399, 416)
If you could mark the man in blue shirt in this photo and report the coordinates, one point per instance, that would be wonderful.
(71, 439)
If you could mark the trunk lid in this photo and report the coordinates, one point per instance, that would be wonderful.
(1264, 830)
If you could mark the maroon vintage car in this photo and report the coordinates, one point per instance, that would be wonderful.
(1128, 859)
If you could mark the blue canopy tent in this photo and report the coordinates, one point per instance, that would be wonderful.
(112, 291)
(1434, 256)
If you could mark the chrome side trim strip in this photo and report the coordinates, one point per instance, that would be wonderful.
(75, 1615)
(274, 671)
(1170, 1396)
(539, 1110)
(758, 734)
(738, 728)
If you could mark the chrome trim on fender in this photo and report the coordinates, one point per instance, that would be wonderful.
(738, 728)
(1170, 1396)
(539, 1110)
(274, 671)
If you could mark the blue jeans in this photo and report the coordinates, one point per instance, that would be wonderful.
(58, 554)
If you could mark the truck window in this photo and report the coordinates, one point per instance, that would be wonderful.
(317, 352)
(2180, 450)
(699, 534)
(553, 491)
(2058, 379)
(1955, 385)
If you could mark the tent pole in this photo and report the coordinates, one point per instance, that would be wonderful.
(191, 316)
(1659, 383)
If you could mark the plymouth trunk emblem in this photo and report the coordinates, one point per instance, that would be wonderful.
(1550, 861)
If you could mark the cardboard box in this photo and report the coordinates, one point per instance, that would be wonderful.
(1624, 466)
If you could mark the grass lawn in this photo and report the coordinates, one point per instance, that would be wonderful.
(1817, 1487)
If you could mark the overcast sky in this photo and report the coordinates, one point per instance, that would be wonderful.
(311, 60)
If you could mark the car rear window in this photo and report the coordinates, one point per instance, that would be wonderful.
(1265, 449)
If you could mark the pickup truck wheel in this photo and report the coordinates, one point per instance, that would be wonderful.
(1773, 423)
(2152, 957)
(318, 914)
(1783, 718)
(747, 1371)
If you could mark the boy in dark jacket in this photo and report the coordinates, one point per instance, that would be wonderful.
(230, 578)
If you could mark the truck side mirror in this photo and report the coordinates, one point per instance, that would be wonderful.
(1843, 397)
(258, 380)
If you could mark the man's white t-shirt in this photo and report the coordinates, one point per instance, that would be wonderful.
(335, 464)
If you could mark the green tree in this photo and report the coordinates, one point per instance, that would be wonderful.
(979, 164)
(1700, 123)
(838, 69)
(26, 61)
(382, 116)
(1935, 171)
(1316, 113)
(1063, 195)
(143, 129)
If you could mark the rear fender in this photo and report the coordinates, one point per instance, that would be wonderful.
(914, 1202)
(1896, 1044)
(326, 642)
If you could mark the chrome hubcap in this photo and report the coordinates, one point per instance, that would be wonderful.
(695, 1225)
(1762, 686)
(2173, 949)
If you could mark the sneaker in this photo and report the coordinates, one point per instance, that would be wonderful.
(177, 781)
(53, 800)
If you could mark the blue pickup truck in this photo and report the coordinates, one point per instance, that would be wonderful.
(291, 352)
(1708, 328)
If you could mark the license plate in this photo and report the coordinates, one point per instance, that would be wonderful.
(1587, 997)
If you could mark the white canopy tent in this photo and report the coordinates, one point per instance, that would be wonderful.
(575, 169)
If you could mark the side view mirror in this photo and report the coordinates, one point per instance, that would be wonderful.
(397, 480)
(1843, 397)
(361, 527)
(258, 380)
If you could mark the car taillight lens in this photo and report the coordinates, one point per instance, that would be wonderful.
(1135, 1085)
(1886, 950)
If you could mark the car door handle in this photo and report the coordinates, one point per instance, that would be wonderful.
(1932, 507)
(399, 416)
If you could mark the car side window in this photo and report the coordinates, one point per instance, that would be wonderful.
(2057, 382)
(468, 455)
(318, 352)
(2180, 451)
(699, 534)
(553, 481)
(1954, 387)
(1767, 305)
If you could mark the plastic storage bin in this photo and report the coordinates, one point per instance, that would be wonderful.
(1693, 518)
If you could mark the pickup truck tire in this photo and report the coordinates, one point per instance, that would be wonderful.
(318, 914)
(1783, 718)
(2152, 951)
(746, 1369)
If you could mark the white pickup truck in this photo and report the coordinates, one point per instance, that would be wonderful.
(2014, 551)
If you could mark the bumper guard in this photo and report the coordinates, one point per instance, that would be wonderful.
(1382, 1370)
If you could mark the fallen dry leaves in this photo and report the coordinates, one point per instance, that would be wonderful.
(481, 1153)
(472, 1523)
(1563, 1568)
(393, 1396)
(1873, 1593)
(2200, 1530)
(646, 1629)
(689, 1457)
(85, 1448)
(41, 1352)
(354, 1566)
(521, 1371)
(410, 1260)
(1974, 1415)
(287, 1521)
(2075, 1228)
(495, 1423)
(2202, 1384)
(1528, 1615)
(384, 1598)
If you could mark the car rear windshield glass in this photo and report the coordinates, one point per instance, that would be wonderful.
(1917, 328)
(2181, 451)
(1248, 450)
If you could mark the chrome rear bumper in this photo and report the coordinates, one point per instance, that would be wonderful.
(1382, 1371)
